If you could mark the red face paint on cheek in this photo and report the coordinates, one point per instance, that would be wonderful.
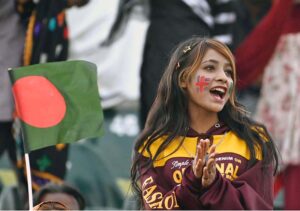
(202, 83)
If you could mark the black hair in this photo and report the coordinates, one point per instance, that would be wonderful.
(59, 188)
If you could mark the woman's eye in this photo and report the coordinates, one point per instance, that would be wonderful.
(229, 73)
(209, 67)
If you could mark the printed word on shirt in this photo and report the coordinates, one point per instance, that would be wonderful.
(155, 199)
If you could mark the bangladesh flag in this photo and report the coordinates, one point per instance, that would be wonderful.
(57, 102)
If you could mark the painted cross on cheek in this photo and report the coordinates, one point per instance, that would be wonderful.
(202, 82)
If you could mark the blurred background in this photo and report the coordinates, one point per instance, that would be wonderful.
(130, 42)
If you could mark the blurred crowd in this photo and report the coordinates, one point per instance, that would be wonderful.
(130, 42)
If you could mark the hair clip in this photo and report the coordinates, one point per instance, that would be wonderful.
(177, 65)
(187, 49)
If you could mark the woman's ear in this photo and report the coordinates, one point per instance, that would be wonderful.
(183, 84)
(183, 81)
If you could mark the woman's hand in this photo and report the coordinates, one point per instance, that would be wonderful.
(209, 171)
(199, 160)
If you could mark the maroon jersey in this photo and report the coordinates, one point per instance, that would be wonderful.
(170, 183)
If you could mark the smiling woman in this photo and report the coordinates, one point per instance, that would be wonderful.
(199, 149)
(209, 84)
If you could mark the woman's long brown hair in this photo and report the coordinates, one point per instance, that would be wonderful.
(169, 113)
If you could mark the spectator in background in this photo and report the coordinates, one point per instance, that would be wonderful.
(249, 13)
(273, 50)
(172, 21)
(50, 205)
(62, 193)
(46, 41)
(11, 46)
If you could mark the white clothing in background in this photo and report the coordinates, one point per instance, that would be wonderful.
(118, 64)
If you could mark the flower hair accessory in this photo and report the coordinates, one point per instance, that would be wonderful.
(186, 49)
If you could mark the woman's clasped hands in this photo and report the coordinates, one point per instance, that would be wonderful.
(204, 164)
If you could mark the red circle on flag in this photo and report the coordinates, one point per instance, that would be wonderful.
(38, 102)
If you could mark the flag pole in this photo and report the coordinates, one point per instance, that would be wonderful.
(28, 171)
(29, 181)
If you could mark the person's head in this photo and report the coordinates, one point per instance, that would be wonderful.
(50, 205)
(205, 74)
(201, 71)
(63, 193)
(202, 75)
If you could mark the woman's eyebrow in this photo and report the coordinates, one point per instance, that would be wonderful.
(210, 60)
(228, 65)
(215, 62)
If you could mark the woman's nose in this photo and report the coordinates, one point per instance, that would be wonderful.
(221, 76)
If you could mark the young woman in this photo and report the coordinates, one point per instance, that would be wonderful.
(199, 149)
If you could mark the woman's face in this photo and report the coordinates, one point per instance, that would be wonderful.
(210, 86)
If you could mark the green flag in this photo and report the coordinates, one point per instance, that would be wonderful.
(57, 102)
